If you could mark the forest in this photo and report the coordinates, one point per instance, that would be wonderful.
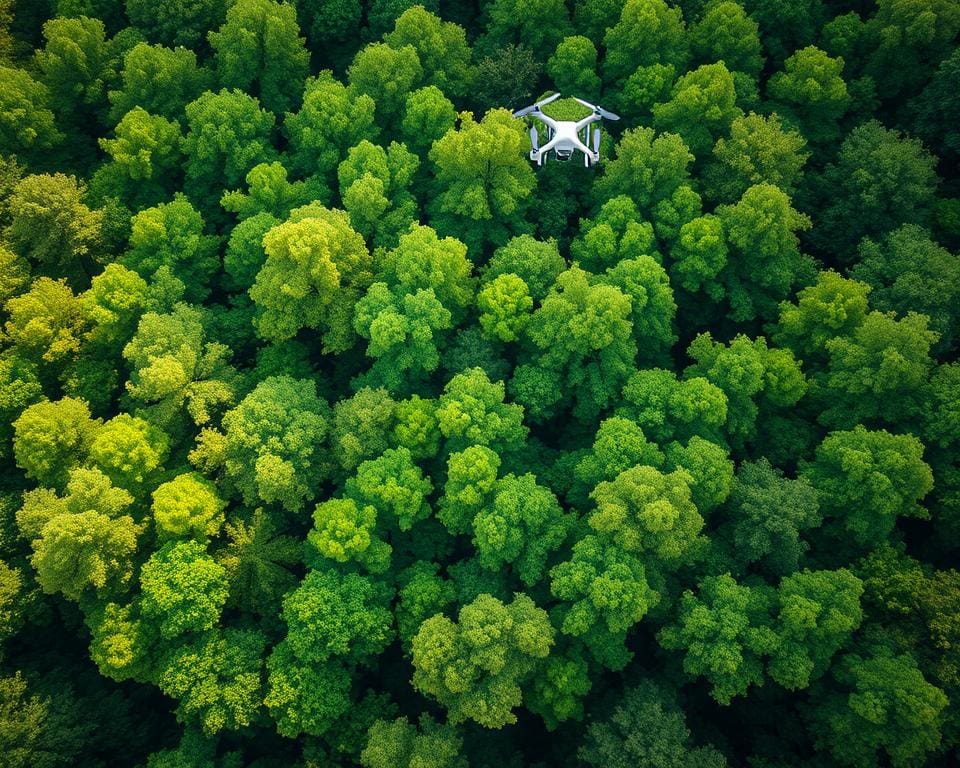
(334, 432)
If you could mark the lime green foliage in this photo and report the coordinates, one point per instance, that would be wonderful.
(187, 507)
(441, 48)
(474, 667)
(573, 67)
(51, 438)
(157, 80)
(399, 744)
(26, 121)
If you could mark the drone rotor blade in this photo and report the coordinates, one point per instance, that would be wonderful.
(547, 100)
(525, 111)
(534, 137)
(607, 115)
(587, 104)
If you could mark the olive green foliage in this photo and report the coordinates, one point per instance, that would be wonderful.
(335, 432)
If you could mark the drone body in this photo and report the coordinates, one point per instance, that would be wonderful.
(564, 137)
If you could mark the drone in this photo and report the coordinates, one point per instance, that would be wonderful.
(564, 136)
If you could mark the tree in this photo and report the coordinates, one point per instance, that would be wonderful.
(701, 107)
(482, 183)
(330, 121)
(538, 263)
(360, 428)
(51, 225)
(882, 176)
(505, 307)
(394, 486)
(227, 134)
(51, 438)
(938, 108)
(46, 323)
(877, 373)
(273, 450)
(866, 479)
(668, 408)
(184, 589)
(427, 116)
(169, 239)
(317, 267)
(269, 192)
(605, 592)
(174, 368)
(646, 728)
(767, 513)
(818, 613)
(522, 526)
(759, 151)
(441, 47)
(344, 532)
(77, 65)
(752, 375)
(399, 744)
(653, 309)
(573, 67)
(158, 80)
(187, 507)
(582, 335)
(474, 667)
(647, 168)
(375, 189)
(26, 121)
(618, 232)
(471, 477)
(908, 271)
(880, 707)
(332, 615)
(176, 22)
(508, 76)
(386, 75)
(724, 631)
(766, 260)
(305, 697)
(129, 450)
(812, 93)
(648, 32)
(259, 50)
(217, 679)
(726, 33)
(472, 411)
(538, 25)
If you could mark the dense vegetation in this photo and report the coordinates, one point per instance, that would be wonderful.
(335, 434)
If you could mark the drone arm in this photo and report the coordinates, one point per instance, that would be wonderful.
(549, 145)
(581, 124)
(546, 120)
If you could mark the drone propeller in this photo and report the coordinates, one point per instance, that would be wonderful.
(606, 115)
(596, 140)
(534, 138)
(536, 107)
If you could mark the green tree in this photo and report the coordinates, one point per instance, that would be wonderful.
(617, 232)
(375, 189)
(668, 408)
(399, 744)
(482, 181)
(647, 168)
(273, 448)
(471, 477)
(305, 697)
(259, 50)
(317, 267)
(766, 261)
(880, 708)
(866, 479)
(573, 67)
(521, 527)
(26, 121)
(51, 438)
(46, 323)
(330, 121)
(880, 180)
(475, 667)
(811, 93)
(441, 47)
(472, 411)
(51, 225)
(184, 589)
(538, 25)
(907, 271)
(701, 108)
(726, 33)
(187, 507)
(725, 633)
(227, 134)
(170, 237)
(648, 32)
(818, 612)
(158, 80)
(767, 514)
(269, 192)
(646, 728)
(427, 116)
(386, 75)
(345, 532)
(538, 263)
(129, 450)
(176, 22)
(395, 486)
(758, 151)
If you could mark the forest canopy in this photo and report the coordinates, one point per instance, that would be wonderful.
(336, 433)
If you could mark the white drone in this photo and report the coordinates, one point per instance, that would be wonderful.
(564, 136)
